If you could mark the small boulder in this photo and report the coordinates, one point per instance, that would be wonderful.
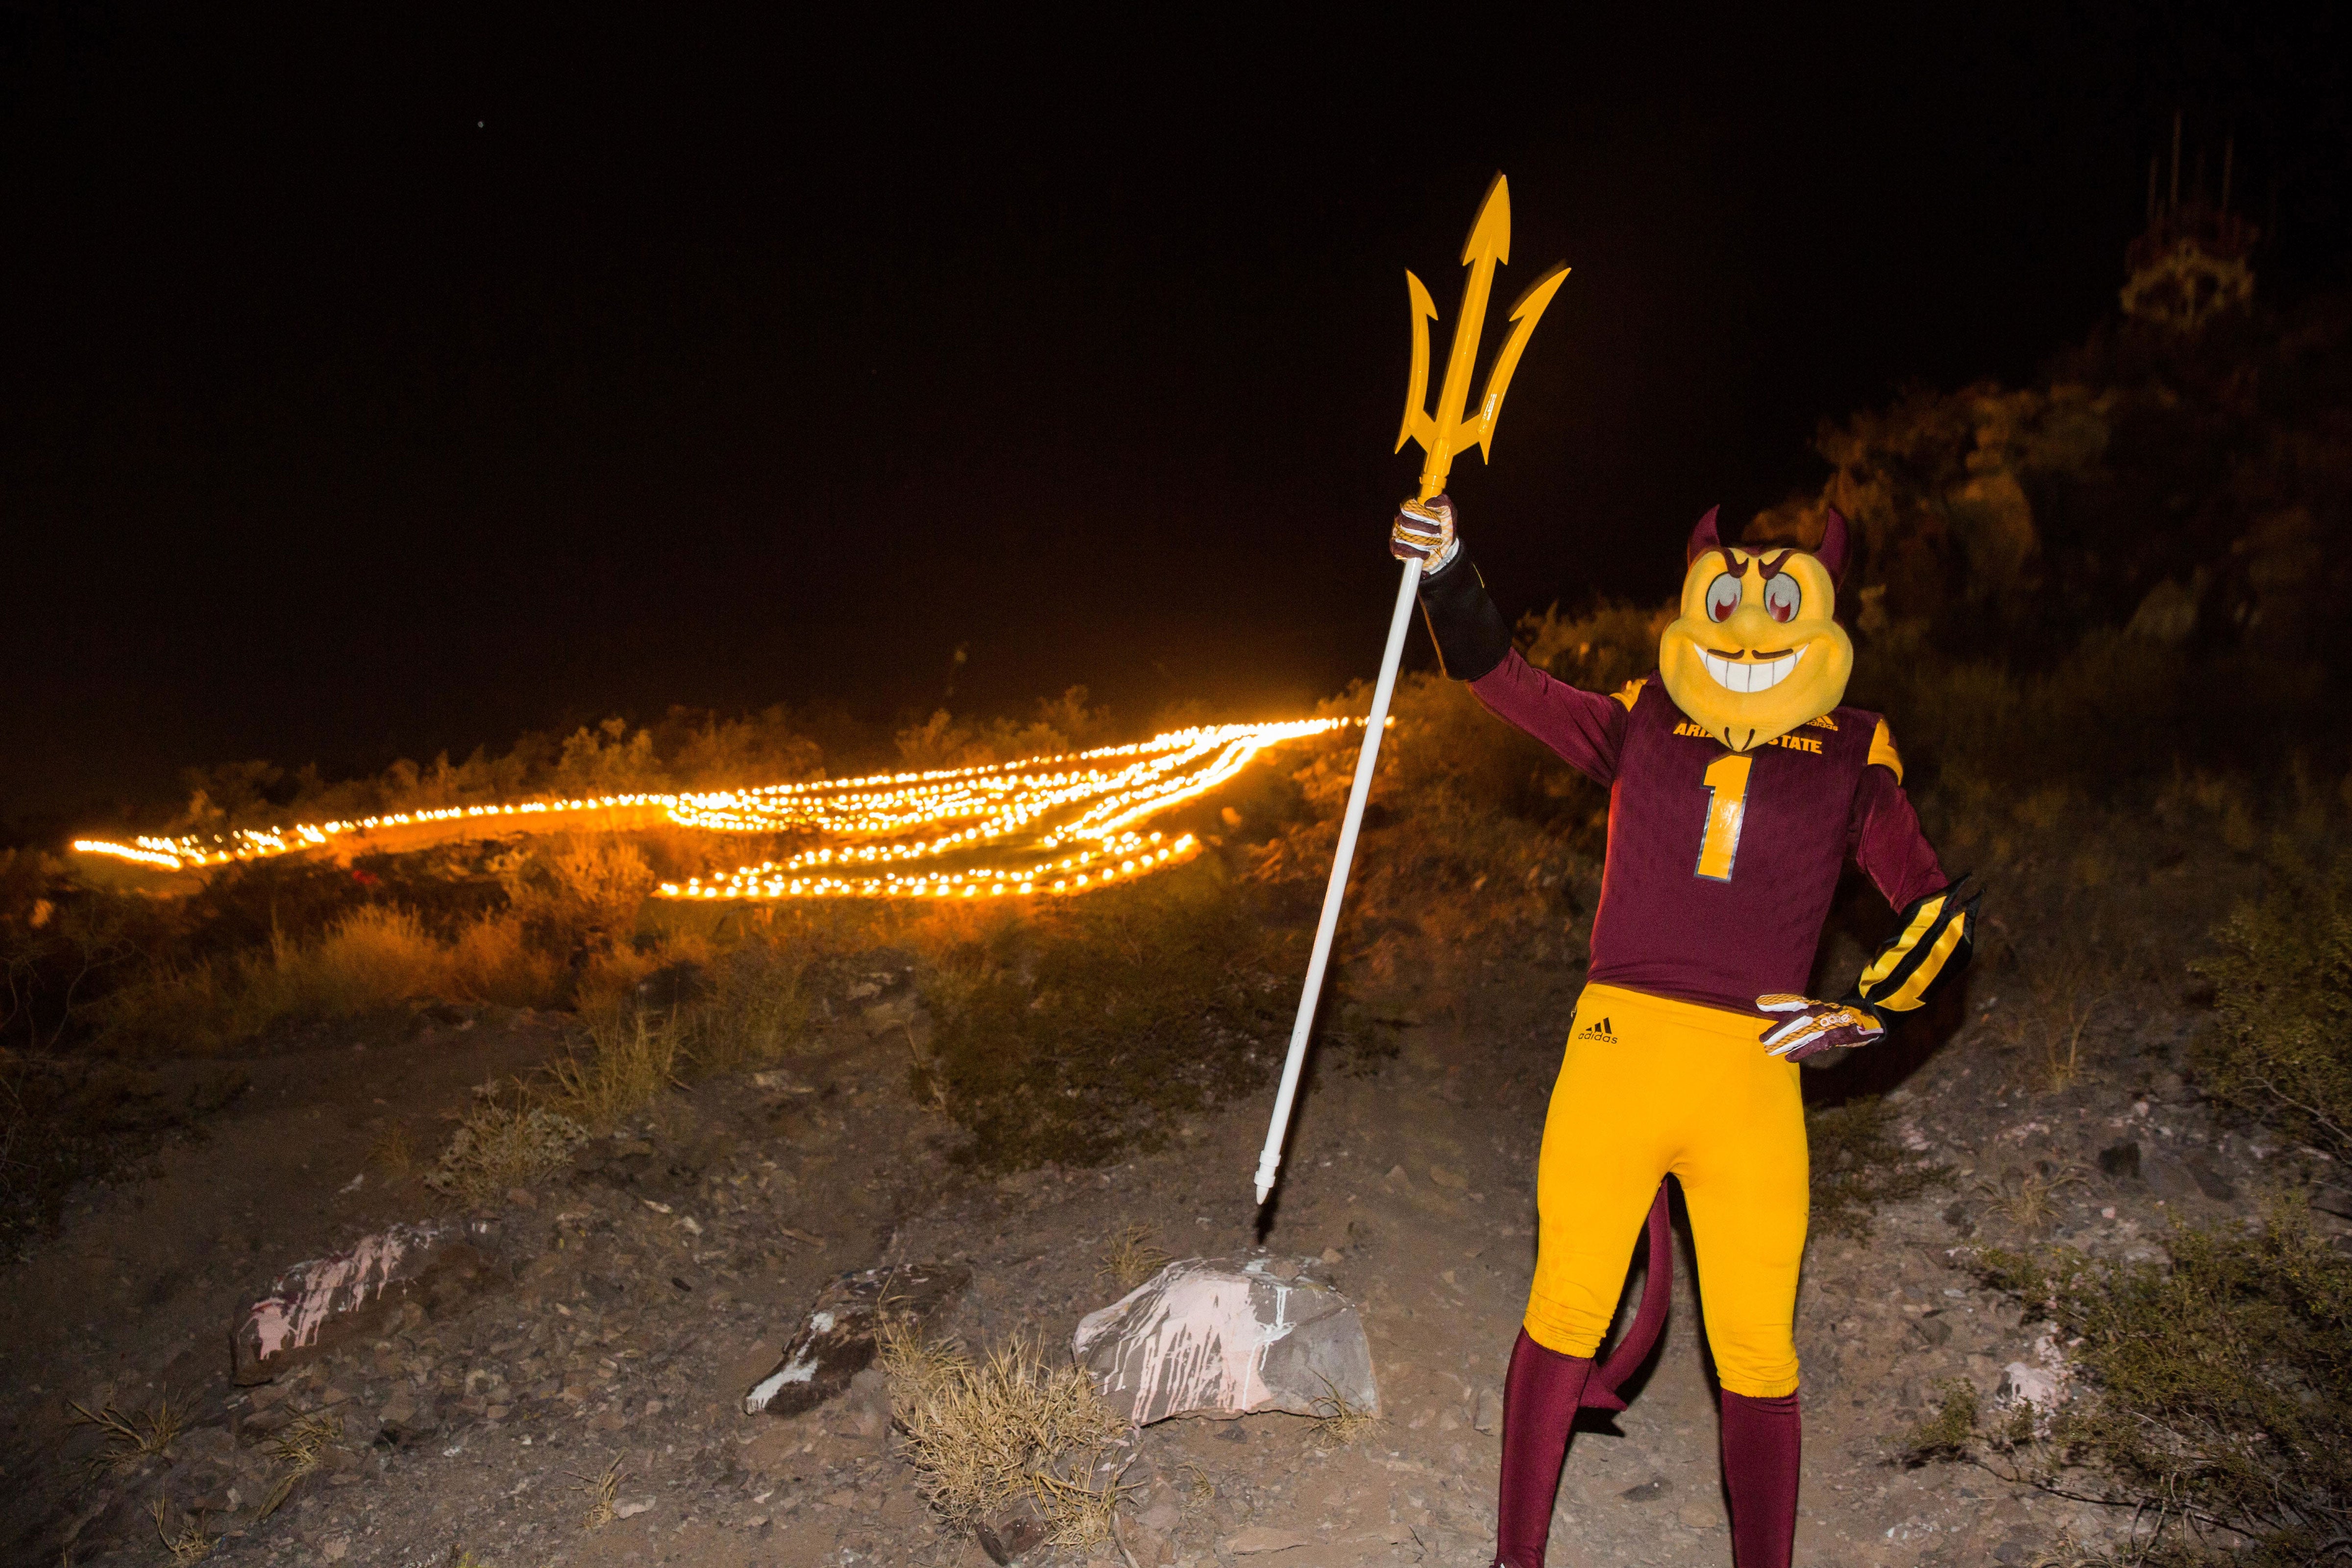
(835, 1342)
(1227, 1337)
(328, 1301)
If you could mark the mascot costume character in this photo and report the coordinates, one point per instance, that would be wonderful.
(1737, 788)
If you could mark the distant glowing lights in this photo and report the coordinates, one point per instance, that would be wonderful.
(1043, 826)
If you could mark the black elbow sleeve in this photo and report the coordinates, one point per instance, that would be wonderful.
(1464, 623)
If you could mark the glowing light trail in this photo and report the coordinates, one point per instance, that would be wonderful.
(1042, 826)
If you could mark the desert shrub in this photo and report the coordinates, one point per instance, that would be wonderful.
(372, 957)
(1088, 1027)
(2214, 1392)
(503, 1143)
(2280, 1046)
(376, 957)
(629, 1059)
(494, 960)
(580, 886)
(753, 1011)
(982, 1434)
(1857, 1166)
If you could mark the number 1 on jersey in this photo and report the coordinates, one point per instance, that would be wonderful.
(1726, 804)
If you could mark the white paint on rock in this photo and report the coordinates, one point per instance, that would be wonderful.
(1209, 1337)
(801, 1368)
(2046, 1382)
(306, 1295)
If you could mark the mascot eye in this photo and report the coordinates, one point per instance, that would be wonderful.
(1781, 597)
(1722, 596)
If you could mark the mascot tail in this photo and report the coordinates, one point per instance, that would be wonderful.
(1649, 1321)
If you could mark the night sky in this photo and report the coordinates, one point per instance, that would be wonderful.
(391, 383)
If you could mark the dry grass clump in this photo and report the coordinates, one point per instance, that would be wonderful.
(132, 1436)
(302, 1447)
(757, 1011)
(1337, 1419)
(984, 1433)
(630, 1060)
(394, 1152)
(604, 1489)
(501, 1145)
(189, 1543)
(1132, 1259)
(2028, 1199)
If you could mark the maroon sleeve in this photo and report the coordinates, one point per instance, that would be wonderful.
(1883, 835)
(1585, 728)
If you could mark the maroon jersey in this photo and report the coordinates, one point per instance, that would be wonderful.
(1721, 867)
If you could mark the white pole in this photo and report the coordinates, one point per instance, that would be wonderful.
(1333, 895)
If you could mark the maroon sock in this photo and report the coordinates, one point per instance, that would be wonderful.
(1539, 1401)
(1761, 1440)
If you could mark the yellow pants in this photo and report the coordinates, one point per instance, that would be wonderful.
(1648, 1087)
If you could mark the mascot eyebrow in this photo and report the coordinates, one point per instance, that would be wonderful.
(1772, 565)
(1771, 559)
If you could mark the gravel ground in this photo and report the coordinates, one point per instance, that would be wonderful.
(618, 1314)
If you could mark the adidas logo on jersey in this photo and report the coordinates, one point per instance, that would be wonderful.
(1600, 1031)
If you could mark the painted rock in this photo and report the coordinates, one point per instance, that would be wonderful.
(323, 1301)
(835, 1342)
(1225, 1337)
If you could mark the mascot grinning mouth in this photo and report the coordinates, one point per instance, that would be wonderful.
(1769, 670)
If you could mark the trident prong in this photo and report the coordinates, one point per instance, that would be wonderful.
(1447, 433)
(1441, 436)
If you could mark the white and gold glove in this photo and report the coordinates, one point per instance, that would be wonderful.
(1423, 531)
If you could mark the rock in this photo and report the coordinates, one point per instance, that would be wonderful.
(835, 1342)
(1259, 1538)
(1012, 1532)
(1215, 1336)
(1488, 1415)
(2120, 1160)
(1446, 1178)
(326, 1302)
(863, 1414)
(2211, 1182)
(633, 1506)
(2045, 1382)
(2168, 1177)
(1933, 1331)
(1144, 1546)
(1655, 1487)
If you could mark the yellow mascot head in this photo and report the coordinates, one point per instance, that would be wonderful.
(1756, 652)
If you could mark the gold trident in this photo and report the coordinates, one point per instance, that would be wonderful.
(1489, 244)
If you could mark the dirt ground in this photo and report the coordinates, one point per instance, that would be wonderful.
(623, 1309)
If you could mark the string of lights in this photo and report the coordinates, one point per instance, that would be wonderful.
(1050, 824)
